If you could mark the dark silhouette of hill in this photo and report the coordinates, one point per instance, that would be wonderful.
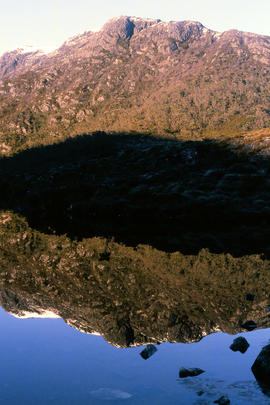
(170, 194)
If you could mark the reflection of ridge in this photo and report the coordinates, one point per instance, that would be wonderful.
(158, 307)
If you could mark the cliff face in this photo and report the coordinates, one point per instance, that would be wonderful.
(137, 74)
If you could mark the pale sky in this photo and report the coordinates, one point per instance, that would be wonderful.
(48, 23)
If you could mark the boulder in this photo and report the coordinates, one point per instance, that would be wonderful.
(148, 351)
(189, 372)
(240, 344)
(261, 366)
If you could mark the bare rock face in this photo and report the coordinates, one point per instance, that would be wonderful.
(121, 27)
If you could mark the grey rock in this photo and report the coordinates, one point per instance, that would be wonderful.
(122, 27)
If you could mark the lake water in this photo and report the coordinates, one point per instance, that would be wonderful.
(45, 361)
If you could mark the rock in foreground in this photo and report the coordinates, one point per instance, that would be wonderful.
(148, 352)
(261, 366)
(239, 344)
(190, 372)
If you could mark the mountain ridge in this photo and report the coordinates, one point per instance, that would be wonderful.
(174, 78)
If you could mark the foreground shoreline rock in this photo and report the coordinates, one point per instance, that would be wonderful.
(261, 367)
(190, 372)
(240, 344)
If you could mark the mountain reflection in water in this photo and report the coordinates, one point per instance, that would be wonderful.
(47, 362)
(130, 296)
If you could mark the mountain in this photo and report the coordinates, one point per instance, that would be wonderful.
(178, 79)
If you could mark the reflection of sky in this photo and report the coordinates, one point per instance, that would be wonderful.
(44, 361)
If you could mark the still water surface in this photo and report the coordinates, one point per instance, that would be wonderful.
(45, 361)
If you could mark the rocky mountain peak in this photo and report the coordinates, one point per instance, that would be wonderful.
(125, 27)
(121, 27)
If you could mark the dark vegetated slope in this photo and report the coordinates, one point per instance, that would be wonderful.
(172, 195)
